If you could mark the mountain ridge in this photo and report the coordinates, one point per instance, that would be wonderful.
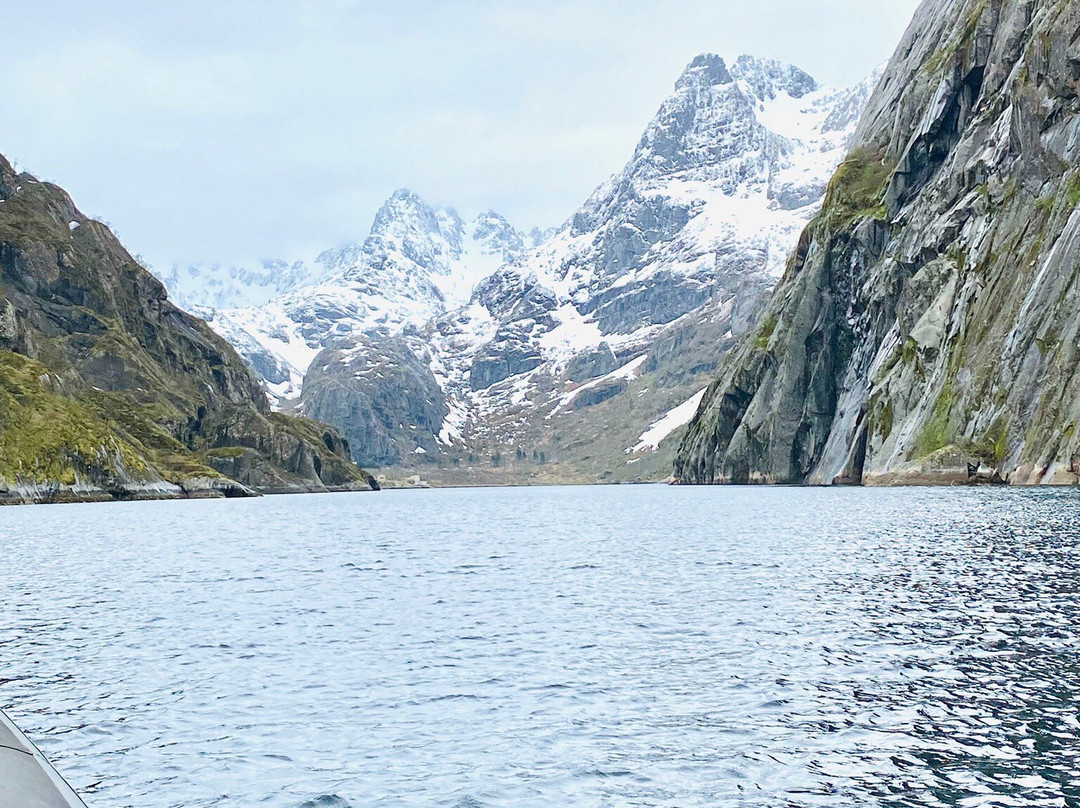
(676, 251)
(416, 261)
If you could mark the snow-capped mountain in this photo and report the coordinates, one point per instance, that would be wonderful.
(416, 263)
(600, 336)
(228, 286)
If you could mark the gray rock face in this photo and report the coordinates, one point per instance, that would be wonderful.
(509, 354)
(268, 366)
(499, 237)
(383, 397)
(667, 297)
(592, 364)
(926, 329)
(523, 310)
(709, 125)
(600, 393)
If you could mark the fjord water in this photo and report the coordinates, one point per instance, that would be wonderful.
(621, 646)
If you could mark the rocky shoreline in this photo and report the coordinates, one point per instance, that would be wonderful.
(196, 488)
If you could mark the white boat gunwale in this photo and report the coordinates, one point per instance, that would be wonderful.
(27, 779)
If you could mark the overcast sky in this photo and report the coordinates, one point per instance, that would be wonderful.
(231, 130)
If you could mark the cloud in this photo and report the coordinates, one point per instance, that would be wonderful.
(212, 131)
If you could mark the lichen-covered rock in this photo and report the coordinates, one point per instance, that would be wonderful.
(106, 388)
(926, 328)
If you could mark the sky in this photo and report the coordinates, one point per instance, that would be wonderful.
(228, 131)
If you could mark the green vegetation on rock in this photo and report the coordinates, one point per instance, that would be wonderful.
(108, 390)
(857, 190)
(46, 437)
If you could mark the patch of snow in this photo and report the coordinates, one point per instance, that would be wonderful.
(680, 416)
(629, 371)
(573, 334)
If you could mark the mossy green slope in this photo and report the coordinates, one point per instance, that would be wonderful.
(108, 390)
(46, 437)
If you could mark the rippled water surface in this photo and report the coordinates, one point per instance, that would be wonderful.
(643, 646)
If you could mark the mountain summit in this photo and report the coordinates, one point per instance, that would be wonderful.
(416, 262)
(705, 70)
(589, 338)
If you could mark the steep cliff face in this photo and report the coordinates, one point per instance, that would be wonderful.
(926, 328)
(107, 390)
(386, 401)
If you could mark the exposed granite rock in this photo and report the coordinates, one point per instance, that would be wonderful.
(526, 309)
(510, 354)
(382, 396)
(592, 364)
(926, 328)
(600, 393)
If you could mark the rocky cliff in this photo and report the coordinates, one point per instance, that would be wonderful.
(926, 327)
(107, 390)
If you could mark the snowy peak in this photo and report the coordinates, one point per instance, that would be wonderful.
(707, 122)
(766, 79)
(408, 227)
(440, 243)
(417, 262)
(405, 213)
(705, 70)
(227, 285)
(849, 103)
(496, 236)
(724, 178)
(721, 120)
